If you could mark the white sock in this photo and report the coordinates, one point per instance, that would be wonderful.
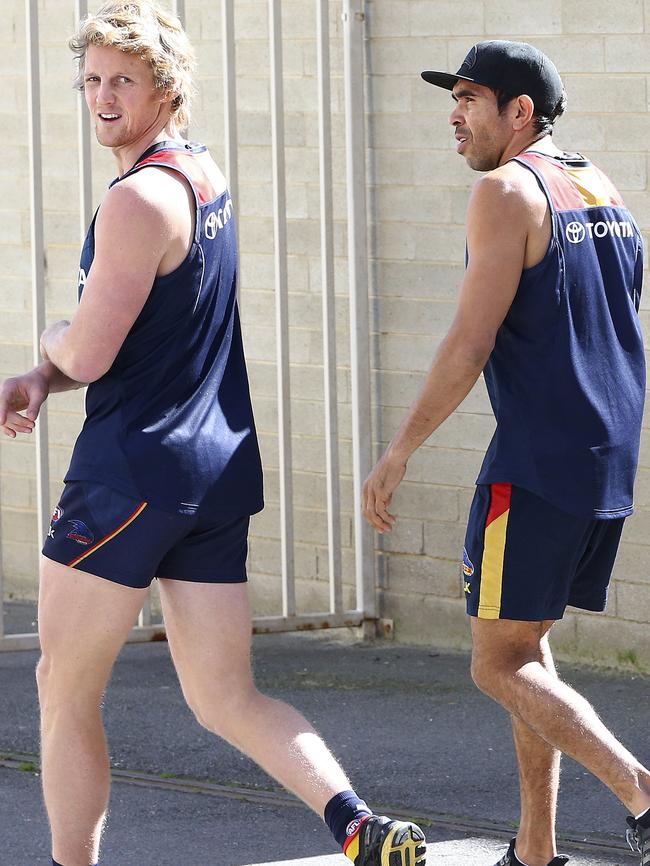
(645, 812)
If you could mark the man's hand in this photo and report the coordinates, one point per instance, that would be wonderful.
(378, 491)
(20, 393)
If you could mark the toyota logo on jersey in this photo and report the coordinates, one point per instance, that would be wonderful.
(576, 232)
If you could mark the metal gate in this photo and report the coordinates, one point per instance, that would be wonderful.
(353, 18)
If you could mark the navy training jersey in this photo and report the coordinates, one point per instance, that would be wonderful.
(566, 377)
(171, 422)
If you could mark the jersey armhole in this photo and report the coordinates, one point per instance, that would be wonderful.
(541, 183)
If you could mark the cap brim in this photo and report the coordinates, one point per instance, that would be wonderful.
(444, 79)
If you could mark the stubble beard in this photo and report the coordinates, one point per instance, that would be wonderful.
(485, 150)
(482, 163)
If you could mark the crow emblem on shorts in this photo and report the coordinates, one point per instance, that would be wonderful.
(80, 532)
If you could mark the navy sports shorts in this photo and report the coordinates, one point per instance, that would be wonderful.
(525, 559)
(99, 530)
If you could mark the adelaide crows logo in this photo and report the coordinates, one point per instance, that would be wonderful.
(80, 532)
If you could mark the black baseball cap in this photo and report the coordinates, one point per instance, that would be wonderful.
(514, 67)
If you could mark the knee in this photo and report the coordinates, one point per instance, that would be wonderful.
(48, 698)
(494, 672)
(484, 674)
(43, 675)
(65, 691)
(222, 711)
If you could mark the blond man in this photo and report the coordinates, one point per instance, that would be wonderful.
(166, 470)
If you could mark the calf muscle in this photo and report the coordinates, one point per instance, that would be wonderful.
(507, 667)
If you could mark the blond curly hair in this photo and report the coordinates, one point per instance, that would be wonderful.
(144, 28)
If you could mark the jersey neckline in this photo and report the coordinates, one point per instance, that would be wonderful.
(159, 147)
(571, 160)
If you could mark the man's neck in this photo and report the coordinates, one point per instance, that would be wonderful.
(520, 145)
(543, 145)
(127, 156)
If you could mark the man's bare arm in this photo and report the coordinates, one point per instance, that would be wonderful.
(57, 380)
(135, 226)
(497, 230)
(21, 397)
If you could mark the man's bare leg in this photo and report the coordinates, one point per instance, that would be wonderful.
(83, 622)
(209, 632)
(539, 780)
(506, 665)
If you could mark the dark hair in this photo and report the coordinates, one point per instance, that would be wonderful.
(542, 123)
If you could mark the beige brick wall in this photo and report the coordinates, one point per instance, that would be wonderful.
(417, 194)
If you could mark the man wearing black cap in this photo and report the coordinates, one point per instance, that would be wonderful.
(548, 311)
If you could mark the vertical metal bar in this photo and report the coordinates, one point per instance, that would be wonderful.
(353, 28)
(329, 313)
(179, 9)
(282, 310)
(230, 109)
(230, 99)
(85, 154)
(37, 254)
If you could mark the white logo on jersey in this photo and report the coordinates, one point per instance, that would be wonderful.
(576, 232)
(82, 278)
(216, 220)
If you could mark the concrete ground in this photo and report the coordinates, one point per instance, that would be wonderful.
(412, 731)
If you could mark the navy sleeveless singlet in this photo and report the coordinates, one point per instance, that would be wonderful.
(171, 422)
(566, 377)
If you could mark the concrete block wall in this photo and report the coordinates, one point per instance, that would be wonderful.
(417, 194)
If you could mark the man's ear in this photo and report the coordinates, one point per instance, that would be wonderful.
(525, 109)
(169, 97)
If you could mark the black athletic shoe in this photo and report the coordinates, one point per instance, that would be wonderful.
(638, 838)
(384, 842)
(511, 859)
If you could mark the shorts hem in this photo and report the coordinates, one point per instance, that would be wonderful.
(588, 605)
(488, 613)
(130, 580)
(515, 617)
(207, 577)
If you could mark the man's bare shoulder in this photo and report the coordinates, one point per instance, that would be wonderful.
(511, 190)
(511, 180)
(153, 186)
(149, 199)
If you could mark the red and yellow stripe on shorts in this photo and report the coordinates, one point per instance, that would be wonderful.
(111, 535)
(496, 525)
